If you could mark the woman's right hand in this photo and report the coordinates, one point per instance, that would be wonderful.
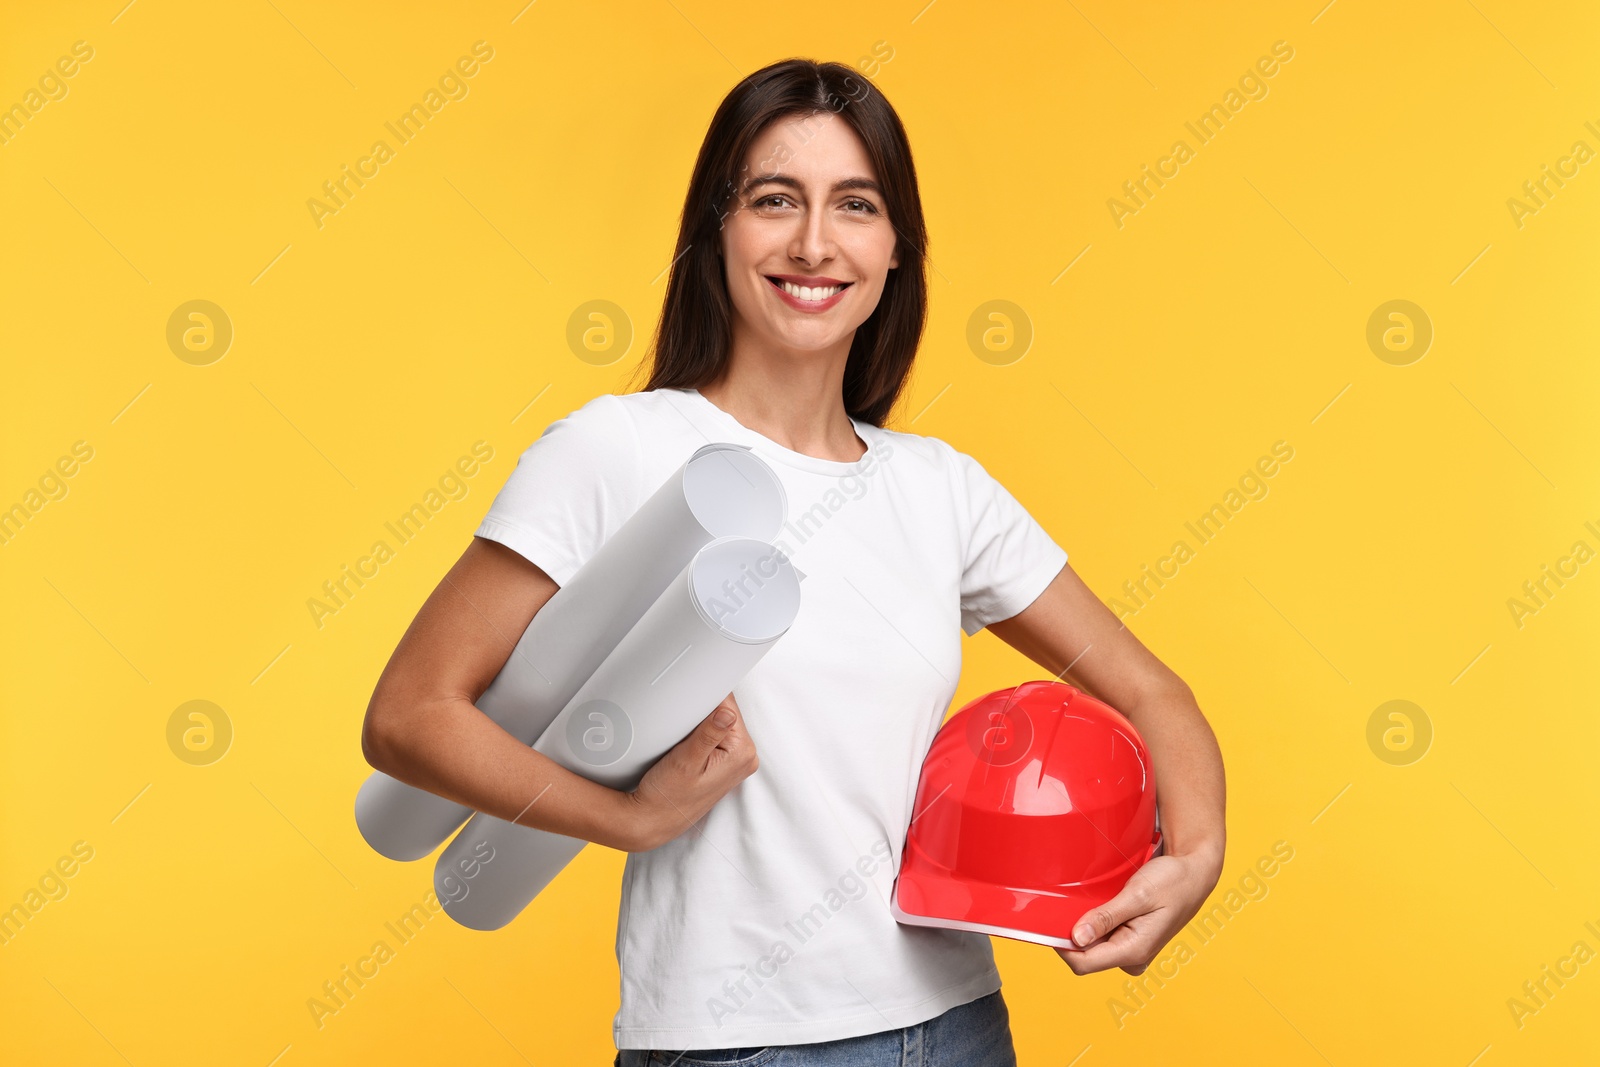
(693, 775)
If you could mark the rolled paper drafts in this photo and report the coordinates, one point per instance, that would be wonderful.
(705, 631)
(722, 490)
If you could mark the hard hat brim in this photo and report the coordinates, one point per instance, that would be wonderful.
(927, 895)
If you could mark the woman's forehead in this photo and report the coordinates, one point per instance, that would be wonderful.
(814, 149)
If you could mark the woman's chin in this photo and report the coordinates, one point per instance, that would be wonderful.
(810, 341)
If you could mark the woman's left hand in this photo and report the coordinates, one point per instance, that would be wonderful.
(1132, 927)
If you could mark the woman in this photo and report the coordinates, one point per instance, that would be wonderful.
(792, 315)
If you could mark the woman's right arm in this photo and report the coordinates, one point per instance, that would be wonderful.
(423, 727)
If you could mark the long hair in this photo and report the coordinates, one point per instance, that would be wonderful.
(693, 336)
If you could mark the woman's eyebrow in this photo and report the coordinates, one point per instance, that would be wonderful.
(794, 183)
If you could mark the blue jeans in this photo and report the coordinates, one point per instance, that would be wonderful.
(975, 1034)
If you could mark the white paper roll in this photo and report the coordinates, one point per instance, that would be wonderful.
(722, 490)
(688, 651)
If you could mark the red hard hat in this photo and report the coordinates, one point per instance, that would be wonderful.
(1035, 805)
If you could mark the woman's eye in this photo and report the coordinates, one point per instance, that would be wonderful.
(855, 205)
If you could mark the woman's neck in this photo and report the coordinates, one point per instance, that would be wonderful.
(801, 410)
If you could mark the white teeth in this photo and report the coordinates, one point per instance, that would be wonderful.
(805, 293)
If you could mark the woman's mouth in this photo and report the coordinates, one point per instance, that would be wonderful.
(808, 298)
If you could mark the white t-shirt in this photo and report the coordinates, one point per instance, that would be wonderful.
(768, 922)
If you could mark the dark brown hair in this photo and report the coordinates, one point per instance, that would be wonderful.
(692, 339)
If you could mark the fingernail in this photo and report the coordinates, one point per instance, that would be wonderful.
(723, 718)
(1083, 935)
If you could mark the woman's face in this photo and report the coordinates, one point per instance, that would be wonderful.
(807, 210)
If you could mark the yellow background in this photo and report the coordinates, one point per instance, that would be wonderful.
(1228, 313)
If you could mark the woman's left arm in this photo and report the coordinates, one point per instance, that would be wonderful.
(1071, 634)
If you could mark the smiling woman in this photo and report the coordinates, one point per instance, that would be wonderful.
(794, 306)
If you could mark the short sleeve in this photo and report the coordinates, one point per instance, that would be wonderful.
(572, 488)
(1009, 559)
